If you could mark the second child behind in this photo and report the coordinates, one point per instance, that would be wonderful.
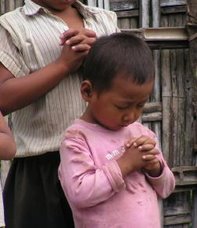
(112, 170)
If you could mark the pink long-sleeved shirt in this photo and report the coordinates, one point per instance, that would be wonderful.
(92, 181)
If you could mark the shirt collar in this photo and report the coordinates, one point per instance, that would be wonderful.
(31, 8)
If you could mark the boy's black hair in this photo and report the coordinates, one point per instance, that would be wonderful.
(118, 53)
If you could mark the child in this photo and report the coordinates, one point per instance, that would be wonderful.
(45, 78)
(111, 168)
(7, 151)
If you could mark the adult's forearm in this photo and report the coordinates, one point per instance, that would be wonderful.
(7, 152)
(16, 93)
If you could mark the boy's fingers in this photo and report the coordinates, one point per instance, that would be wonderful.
(146, 147)
(143, 140)
(130, 142)
(152, 152)
(139, 141)
(148, 157)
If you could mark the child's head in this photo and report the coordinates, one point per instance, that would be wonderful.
(119, 77)
(118, 53)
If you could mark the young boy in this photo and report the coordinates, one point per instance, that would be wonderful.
(40, 84)
(112, 170)
(7, 151)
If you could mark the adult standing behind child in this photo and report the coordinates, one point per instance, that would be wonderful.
(7, 152)
(112, 170)
(40, 84)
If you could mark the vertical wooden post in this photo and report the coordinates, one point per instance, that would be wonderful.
(144, 13)
(192, 32)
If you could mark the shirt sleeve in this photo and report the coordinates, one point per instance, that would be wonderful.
(84, 183)
(165, 183)
(10, 54)
(115, 20)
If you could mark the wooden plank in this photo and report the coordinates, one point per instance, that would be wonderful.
(19, 3)
(125, 24)
(174, 109)
(181, 109)
(156, 96)
(155, 13)
(2, 7)
(194, 219)
(154, 116)
(121, 5)
(185, 175)
(144, 13)
(178, 220)
(152, 107)
(156, 126)
(91, 2)
(127, 14)
(178, 210)
(192, 31)
(172, 2)
(166, 110)
(8, 5)
(163, 38)
(174, 10)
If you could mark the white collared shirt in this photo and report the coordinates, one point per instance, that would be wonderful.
(30, 41)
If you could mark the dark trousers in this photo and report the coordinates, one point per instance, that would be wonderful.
(33, 197)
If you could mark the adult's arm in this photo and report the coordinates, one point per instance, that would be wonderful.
(7, 143)
(18, 92)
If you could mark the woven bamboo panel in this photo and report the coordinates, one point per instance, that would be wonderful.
(174, 93)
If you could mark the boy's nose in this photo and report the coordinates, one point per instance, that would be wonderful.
(130, 117)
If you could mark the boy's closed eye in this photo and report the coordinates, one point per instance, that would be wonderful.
(141, 105)
(122, 106)
(127, 106)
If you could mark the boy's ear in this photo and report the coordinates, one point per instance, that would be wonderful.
(86, 90)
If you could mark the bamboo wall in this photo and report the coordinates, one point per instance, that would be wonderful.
(171, 111)
(174, 117)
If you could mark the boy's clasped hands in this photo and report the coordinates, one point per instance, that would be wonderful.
(140, 154)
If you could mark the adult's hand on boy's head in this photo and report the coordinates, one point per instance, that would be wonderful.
(67, 35)
(76, 45)
(78, 40)
(70, 60)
